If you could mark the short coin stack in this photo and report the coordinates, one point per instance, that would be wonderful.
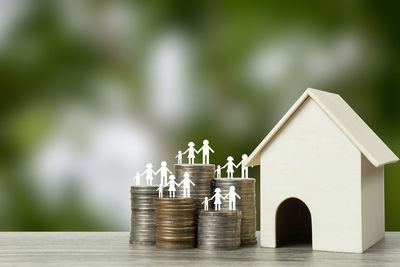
(202, 176)
(245, 188)
(219, 229)
(175, 223)
(142, 215)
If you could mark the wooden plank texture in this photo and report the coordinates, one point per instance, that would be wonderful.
(112, 249)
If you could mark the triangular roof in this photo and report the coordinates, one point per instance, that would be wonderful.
(346, 119)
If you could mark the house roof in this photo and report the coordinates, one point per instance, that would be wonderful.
(346, 119)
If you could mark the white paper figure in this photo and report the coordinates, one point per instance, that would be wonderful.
(230, 165)
(218, 171)
(149, 174)
(160, 191)
(191, 153)
(206, 152)
(186, 184)
(164, 172)
(232, 197)
(217, 201)
(205, 202)
(179, 156)
(172, 184)
(245, 170)
(137, 179)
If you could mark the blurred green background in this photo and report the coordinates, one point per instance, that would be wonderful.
(93, 90)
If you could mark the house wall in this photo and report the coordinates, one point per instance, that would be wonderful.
(311, 159)
(373, 203)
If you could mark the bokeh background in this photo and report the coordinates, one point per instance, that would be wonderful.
(90, 91)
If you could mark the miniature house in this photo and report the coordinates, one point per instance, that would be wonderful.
(322, 177)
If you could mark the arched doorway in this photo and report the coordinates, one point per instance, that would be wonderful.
(293, 223)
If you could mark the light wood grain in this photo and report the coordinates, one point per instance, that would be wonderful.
(112, 249)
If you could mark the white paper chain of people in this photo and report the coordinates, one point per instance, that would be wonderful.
(217, 199)
(191, 151)
(172, 189)
(230, 165)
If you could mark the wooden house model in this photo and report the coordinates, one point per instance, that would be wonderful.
(322, 177)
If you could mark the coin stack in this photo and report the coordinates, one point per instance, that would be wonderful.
(245, 188)
(175, 223)
(219, 229)
(202, 176)
(142, 215)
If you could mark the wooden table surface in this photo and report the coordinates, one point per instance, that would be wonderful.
(112, 249)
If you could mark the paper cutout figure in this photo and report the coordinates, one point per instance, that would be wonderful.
(217, 201)
(206, 152)
(230, 165)
(191, 153)
(218, 171)
(205, 202)
(149, 174)
(179, 156)
(186, 184)
(137, 179)
(245, 170)
(172, 184)
(232, 197)
(160, 191)
(164, 172)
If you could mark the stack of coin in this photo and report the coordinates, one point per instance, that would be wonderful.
(202, 176)
(219, 229)
(142, 215)
(245, 188)
(175, 223)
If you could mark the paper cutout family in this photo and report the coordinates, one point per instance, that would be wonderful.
(217, 199)
(186, 182)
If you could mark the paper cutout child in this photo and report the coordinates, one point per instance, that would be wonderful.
(217, 201)
(186, 184)
(160, 191)
(218, 171)
(137, 179)
(149, 174)
(191, 153)
(232, 197)
(230, 165)
(206, 152)
(245, 170)
(179, 156)
(164, 172)
(205, 202)
(172, 184)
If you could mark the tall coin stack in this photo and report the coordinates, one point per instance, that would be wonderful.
(202, 176)
(142, 215)
(245, 188)
(175, 223)
(219, 229)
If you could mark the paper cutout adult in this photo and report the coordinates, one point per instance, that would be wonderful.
(206, 152)
(186, 184)
(232, 197)
(191, 153)
(137, 179)
(205, 202)
(217, 199)
(245, 170)
(179, 157)
(230, 165)
(218, 171)
(172, 184)
(149, 174)
(160, 191)
(163, 172)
